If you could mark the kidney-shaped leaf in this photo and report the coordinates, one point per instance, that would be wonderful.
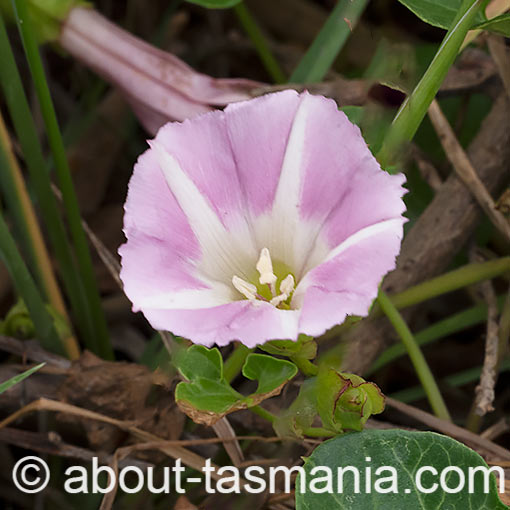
(271, 373)
(394, 459)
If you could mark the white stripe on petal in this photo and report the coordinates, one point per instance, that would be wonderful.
(225, 253)
(391, 226)
(289, 237)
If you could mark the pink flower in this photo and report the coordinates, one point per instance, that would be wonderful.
(261, 222)
(159, 86)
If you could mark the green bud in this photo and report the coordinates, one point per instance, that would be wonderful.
(18, 323)
(346, 401)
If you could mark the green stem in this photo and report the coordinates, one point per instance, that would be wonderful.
(453, 324)
(253, 30)
(413, 110)
(319, 432)
(27, 289)
(64, 176)
(234, 363)
(27, 226)
(448, 282)
(320, 56)
(305, 365)
(24, 125)
(420, 364)
(260, 411)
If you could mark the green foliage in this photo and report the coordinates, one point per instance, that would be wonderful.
(46, 15)
(18, 378)
(499, 25)
(215, 4)
(99, 338)
(271, 373)
(439, 13)
(305, 347)
(346, 401)
(27, 289)
(405, 452)
(327, 45)
(207, 396)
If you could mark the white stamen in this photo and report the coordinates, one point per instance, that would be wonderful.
(279, 299)
(247, 289)
(265, 268)
(287, 285)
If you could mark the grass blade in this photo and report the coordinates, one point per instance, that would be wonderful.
(18, 378)
(22, 211)
(28, 291)
(252, 29)
(319, 58)
(99, 334)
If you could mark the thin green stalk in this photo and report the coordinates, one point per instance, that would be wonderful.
(27, 289)
(453, 280)
(320, 56)
(319, 432)
(64, 176)
(420, 363)
(453, 324)
(27, 226)
(260, 411)
(306, 367)
(455, 380)
(21, 116)
(4, 386)
(251, 27)
(234, 363)
(413, 110)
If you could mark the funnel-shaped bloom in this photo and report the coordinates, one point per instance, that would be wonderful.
(269, 219)
(159, 86)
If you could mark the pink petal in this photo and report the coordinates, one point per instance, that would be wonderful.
(347, 283)
(259, 130)
(343, 187)
(252, 323)
(160, 255)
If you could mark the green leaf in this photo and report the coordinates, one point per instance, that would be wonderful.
(354, 113)
(301, 414)
(439, 13)
(199, 361)
(207, 397)
(401, 453)
(18, 378)
(215, 4)
(499, 25)
(346, 401)
(327, 45)
(271, 373)
(204, 394)
(305, 347)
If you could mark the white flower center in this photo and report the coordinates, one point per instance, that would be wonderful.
(267, 279)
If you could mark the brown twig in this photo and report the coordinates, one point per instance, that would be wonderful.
(501, 57)
(464, 168)
(224, 431)
(485, 389)
(450, 429)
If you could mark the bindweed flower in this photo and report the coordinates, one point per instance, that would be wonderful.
(261, 222)
(158, 85)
